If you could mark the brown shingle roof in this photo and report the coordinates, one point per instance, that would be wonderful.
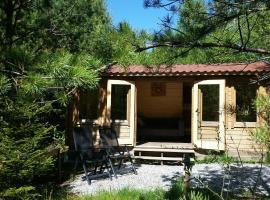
(193, 69)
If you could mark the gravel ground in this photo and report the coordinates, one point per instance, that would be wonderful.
(238, 179)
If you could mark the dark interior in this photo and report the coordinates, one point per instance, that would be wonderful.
(167, 129)
(161, 129)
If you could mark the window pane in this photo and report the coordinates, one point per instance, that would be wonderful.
(89, 104)
(119, 101)
(210, 102)
(245, 95)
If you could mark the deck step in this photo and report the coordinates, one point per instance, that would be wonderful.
(163, 150)
(159, 158)
(165, 146)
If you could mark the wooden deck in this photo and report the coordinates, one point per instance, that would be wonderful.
(163, 151)
(165, 145)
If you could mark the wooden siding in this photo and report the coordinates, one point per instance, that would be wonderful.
(103, 119)
(166, 106)
(239, 139)
(73, 117)
(123, 130)
(208, 133)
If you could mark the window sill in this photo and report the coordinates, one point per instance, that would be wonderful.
(119, 122)
(209, 123)
(245, 124)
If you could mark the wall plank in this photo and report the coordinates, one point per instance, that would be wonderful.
(166, 106)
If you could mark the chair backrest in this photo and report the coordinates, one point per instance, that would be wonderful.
(108, 136)
(83, 139)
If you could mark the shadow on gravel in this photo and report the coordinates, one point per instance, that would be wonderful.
(235, 179)
(124, 172)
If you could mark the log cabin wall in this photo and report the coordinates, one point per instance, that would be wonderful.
(238, 139)
(238, 136)
(76, 110)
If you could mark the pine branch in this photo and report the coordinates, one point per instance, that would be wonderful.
(204, 45)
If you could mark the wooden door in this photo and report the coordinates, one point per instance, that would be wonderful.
(208, 131)
(121, 109)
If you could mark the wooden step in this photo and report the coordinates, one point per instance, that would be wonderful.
(165, 146)
(163, 150)
(159, 158)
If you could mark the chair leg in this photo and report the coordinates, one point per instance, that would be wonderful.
(108, 169)
(96, 166)
(132, 165)
(111, 164)
(75, 166)
(86, 173)
(101, 168)
(131, 161)
(120, 164)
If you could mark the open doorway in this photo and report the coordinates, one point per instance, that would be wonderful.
(163, 111)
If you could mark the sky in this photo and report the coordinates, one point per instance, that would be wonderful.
(133, 12)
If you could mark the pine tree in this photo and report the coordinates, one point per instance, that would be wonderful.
(226, 27)
(48, 50)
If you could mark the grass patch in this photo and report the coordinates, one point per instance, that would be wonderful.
(175, 192)
(128, 194)
(213, 157)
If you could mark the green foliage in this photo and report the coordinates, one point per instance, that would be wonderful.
(23, 148)
(48, 50)
(192, 18)
(262, 134)
(214, 31)
(175, 192)
(124, 41)
(127, 194)
(196, 195)
(4, 85)
(24, 193)
(214, 157)
(262, 103)
(62, 70)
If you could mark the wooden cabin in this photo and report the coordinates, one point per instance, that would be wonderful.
(177, 107)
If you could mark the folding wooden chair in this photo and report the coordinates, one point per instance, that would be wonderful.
(88, 155)
(115, 152)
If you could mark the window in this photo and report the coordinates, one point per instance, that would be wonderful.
(120, 94)
(245, 110)
(89, 104)
(209, 102)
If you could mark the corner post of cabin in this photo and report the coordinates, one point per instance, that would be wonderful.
(73, 116)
